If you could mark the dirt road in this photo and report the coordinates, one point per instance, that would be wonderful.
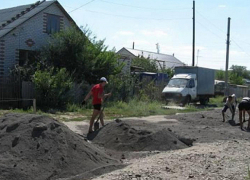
(220, 151)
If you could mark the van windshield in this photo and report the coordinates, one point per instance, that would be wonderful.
(178, 83)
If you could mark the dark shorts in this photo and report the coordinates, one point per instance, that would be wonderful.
(244, 106)
(97, 107)
(226, 107)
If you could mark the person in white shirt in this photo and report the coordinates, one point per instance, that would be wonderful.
(231, 103)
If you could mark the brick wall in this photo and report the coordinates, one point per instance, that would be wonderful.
(31, 35)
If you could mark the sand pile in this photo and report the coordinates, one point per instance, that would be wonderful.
(39, 147)
(118, 135)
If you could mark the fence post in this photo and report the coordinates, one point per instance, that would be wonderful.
(34, 105)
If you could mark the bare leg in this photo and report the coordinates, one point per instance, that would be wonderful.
(223, 115)
(248, 126)
(240, 119)
(101, 118)
(233, 112)
(244, 116)
(94, 115)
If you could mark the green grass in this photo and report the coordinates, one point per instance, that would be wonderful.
(133, 108)
(218, 100)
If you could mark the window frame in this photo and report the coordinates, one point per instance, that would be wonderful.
(53, 23)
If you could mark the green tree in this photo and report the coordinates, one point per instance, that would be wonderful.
(220, 75)
(168, 71)
(52, 87)
(235, 79)
(240, 71)
(145, 63)
(84, 57)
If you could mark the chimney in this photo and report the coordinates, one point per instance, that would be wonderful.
(133, 45)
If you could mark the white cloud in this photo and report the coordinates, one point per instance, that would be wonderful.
(158, 33)
(126, 33)
(222, 6)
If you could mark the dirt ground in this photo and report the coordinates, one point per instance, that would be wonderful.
(39, 147)
(220, 150)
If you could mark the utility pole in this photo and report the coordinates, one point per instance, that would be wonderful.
(193, 32)
(227, 57)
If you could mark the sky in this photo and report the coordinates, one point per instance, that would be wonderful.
(169, 23)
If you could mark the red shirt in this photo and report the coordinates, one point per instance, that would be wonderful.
(97, 89)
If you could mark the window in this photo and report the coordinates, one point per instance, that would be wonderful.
(53, 24)
(191, 83)
(26, 57)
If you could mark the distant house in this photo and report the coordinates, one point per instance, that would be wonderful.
(163, 60)
(24, 29)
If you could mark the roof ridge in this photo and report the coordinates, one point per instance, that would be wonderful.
(32, 6)
(148, 51)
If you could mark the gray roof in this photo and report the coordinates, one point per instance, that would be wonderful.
(170, 60)
(12, 17)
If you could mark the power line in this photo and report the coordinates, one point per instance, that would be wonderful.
(225, 33)
(211, 22)
(133, 17)
(139, 7)
(209, 30)
(81, 6)
(240, 47)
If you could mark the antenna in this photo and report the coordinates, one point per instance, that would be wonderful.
(158, 48)
(197, 56)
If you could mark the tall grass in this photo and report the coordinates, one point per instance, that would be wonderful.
(218, 100)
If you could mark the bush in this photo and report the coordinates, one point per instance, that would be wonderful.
(52, 87)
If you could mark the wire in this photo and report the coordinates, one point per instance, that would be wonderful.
(240, 47)
(210, 30)
(81, 6)
(132, 17)
(142, 7)
(211, 22)
(225, 33)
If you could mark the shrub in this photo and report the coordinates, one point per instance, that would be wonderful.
(52, 87)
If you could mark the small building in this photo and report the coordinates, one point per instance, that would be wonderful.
(164, 61)
(25, 29)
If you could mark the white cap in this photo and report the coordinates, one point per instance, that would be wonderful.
(103, 79)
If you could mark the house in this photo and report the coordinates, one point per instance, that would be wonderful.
(24, 29)
(163, 60)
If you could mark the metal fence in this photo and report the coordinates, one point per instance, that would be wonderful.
(15, 93)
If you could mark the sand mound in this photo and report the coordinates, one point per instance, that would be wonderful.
(39, 147)
(118, 135)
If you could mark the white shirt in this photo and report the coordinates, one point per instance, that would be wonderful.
(232, 103)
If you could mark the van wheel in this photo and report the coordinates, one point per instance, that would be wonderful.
(204, 101)
(187, 101)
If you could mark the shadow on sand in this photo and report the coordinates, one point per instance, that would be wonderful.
(232, 123)
(92, 135)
